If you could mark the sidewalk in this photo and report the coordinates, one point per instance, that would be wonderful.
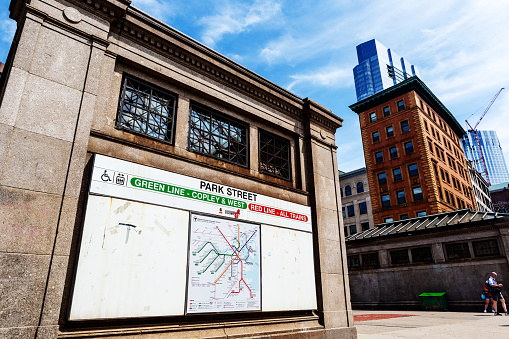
(430, 325)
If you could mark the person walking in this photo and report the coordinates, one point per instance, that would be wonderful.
(487, 298)
(496, 293)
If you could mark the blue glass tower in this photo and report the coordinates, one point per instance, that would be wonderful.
(493, 156)
(379, 68)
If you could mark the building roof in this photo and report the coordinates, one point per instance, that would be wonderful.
(353, 173)
(422, 224)
(499, 186)
(415, 84)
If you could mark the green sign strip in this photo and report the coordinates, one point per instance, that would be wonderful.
(186, 193)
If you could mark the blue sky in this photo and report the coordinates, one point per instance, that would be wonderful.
(460, 47)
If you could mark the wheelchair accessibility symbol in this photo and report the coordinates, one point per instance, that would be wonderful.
(105, 176)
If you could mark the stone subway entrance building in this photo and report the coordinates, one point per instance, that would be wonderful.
(151, 187)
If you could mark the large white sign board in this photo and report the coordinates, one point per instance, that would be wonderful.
(224, 266)
(132, 261)
(123, 179)
(288, 280)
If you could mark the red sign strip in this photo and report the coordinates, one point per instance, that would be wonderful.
(278, 213)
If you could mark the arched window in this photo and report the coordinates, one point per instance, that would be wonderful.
(348, 190)
(360, 187)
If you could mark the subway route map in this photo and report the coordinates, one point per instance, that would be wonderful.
(224, 266)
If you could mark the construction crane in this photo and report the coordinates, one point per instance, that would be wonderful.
(476, 137)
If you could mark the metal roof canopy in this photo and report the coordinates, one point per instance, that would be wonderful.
(420, 224)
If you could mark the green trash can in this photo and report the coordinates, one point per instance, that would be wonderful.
(433, 301)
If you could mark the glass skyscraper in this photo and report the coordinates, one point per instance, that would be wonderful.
(493, 156)
(379, 68)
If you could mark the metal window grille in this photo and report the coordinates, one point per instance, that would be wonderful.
(147, 110)
(217, 135)
(486, 248)
(457, 250)
(399, 257)
(422, 254)
(370, 260)
(353, 261)
(275, 155)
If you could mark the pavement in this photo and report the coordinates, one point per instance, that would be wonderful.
(429, 324)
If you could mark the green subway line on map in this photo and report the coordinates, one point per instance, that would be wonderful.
(217, 256)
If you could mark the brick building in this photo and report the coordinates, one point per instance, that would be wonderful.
(414, 159)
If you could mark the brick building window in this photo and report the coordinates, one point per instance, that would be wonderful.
(413, 171)
(417, 192)
(401, 197)
(420, 214)
(390, 131)
(387, 111)
(396, 172)
(401, 105)
(403, 217)
(421, 254)
(486, 248)
(274, 155)
(382, 178)
(217, 135)
(389, 219)
(147, 110)
(376, 136)
(457, 251)
(370, 260)
(372, 117)
(386, 200)
(399, 257)
(409, 147)
(379, 157)
(393, 152)
(404, 126)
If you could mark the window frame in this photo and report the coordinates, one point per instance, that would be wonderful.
(407, 148)
(350, 212)
(375, 138)
(372, 117)
(402, 199)
(391, 132)
(360, 187)
(378, 159)
(385, 203)
(405, 126)
(363, 208)
(400, 107)
(282, 140)
(379, 180)
(220, 117)
(420, 196)
(393, 152)
(348, 190)
(119, 125)
(386, 111)
(413, 171)
(394, 174)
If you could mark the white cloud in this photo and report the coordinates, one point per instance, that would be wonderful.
(327, 77)
(160, 9)
(7, 29)
(237, 17)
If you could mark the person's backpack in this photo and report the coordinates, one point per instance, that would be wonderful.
(485, 290)
(492, 289)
